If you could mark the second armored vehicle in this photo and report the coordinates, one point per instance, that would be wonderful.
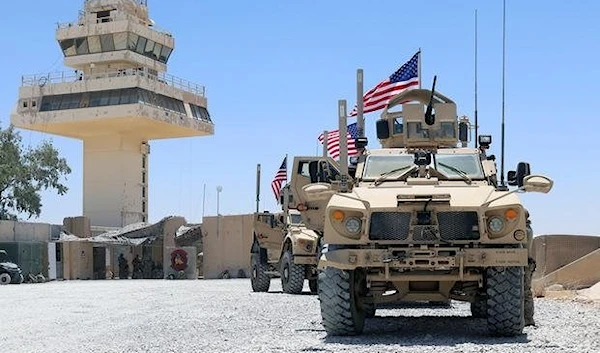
(283, 247)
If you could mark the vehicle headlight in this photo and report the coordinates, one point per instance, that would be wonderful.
(496, 224)
(353, 225)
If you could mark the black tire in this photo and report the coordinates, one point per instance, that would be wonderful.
(313, 284)
(341, 309)
(292, 275)
(5, 278)
(258, 278)
(370, 309)
(479, 309)
(505, 306)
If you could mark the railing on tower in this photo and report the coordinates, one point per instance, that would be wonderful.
(72, 76)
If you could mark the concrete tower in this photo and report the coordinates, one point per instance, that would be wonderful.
(117, 98)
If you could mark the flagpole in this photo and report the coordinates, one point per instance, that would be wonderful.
(503, 75)
(419, 68)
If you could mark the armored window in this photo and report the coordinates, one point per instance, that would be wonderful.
(107, 42)
(164, 54)
(156, 51)
(141, 45)
(95, 99)
(149, 48)
(94, 44)
(82, 46)
(114, 97)
(104, 98)
(132, 43)
(120, 41)
(68, 47)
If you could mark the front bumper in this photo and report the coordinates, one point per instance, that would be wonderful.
(432, 259)
(305, 259)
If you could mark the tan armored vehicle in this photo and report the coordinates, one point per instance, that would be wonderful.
(422, 219)
(283, 247)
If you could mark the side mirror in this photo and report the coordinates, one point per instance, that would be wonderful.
(463, 132)
(361, 142)
(523, 170)
(512, 178)
(383, 129)
(537, 183)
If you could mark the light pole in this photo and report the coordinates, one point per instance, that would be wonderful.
(219, 189)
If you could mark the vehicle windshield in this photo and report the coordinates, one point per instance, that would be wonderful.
(296, 218)
(376, 165)
(451, 165)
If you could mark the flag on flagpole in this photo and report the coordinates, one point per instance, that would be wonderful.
(405, 78)
(280, 178)
(333, 141)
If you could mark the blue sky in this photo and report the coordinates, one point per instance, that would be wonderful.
(274, 71)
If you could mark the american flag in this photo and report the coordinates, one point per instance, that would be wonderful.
(280, 178)
(407, 77)
(333, 141)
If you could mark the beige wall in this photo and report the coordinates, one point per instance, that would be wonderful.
(555, 251)
(230, 249)
(77, 260)
(11, 231)
(581, 273)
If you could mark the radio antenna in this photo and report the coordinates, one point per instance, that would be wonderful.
(476, 122)
(503, 75)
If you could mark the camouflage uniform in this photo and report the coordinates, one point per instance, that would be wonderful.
(529, 309)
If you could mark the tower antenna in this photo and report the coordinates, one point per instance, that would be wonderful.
(503, 75)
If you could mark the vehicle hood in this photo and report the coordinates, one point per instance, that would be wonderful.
(303, 232)
(387, 196)
(9, 266)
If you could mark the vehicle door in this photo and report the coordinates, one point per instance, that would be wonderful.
(311, 188)
(269, 229)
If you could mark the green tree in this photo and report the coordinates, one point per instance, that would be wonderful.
(25, 172)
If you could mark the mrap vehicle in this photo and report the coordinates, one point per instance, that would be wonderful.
(424, 218)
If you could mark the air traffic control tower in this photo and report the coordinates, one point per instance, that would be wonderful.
(116, 99)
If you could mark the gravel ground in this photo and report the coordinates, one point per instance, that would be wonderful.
(225, 316)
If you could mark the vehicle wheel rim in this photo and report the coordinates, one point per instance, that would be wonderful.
(285, 273)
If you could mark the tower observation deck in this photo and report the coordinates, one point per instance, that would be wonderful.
(117, 99)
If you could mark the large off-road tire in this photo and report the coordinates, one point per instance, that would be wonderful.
(505, 306)
(292, 275)
(5, 278)
(479, 309)
(341, 310)
(370, 309)
(258, 278)
(313, 284)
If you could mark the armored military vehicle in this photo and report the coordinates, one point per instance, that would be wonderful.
(9, 271)
(424, 218)
(283, 247)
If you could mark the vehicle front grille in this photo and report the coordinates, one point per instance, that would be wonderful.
(457, 225)
(389, 225)
(450, 226)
